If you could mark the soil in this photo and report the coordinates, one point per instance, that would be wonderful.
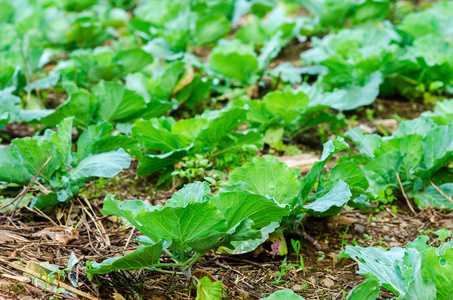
(27, 236)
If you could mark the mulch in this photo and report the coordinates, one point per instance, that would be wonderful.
(81, 229)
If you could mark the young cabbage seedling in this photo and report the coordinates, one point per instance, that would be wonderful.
(189, 225)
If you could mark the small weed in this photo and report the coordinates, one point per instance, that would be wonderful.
(284, 271)
(384, 197)
(368, 237)
(343, 237)
(297, 245)
(370, 113)
(193, 168)
(17, 288)
(321, 256)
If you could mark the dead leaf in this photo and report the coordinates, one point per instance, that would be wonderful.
(359, 227)
(298, 288)
(60, 234)
(113, 219)
(390, 125)
(186, 79)
(328, 283)
(241, 293)
(117, 296)
(395, 244)
(447, 224)
(7, 236)
(25, 297)
(381, 215)
(342, 220)
(303, 161)
(42, 268)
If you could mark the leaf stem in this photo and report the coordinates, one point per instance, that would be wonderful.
(168, 272)
(169, 265)
(170, 254)
(217, 153)
(182, 254)
(193, 260)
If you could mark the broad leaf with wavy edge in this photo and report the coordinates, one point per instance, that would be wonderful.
(331, 203)
(207, 290)
(430, 196)
(218, 128)
(239, 205)
(367, 290)
(150, 163)
(284, 295)
(12, 168)
(269, 177)
(106, 164)
(308, 182)
(419, 272)
(34, 152)
(437, 150)
(248, 245)
(145, 256)
(367, 143)
(438, 268)
(152, 135)
(116, 102)
(350, 173)
(79, 105)
(126, 209)
(190, 193)
(181, 224)
(381, 172)
(89, 137)
(383, 265)
(235, 60)
(63, 140)
(410, 146)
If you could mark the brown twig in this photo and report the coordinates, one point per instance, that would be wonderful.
(88, 232)
(43, 189)
(129, 238)
(32, 181)
(100, 228)
(404, 194)
(441, 192)
(25, 190)
(391, 212)
(39, 212)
